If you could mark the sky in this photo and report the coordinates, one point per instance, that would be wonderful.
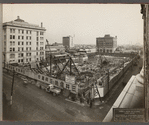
(84, 22)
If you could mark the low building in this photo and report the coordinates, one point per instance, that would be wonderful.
(54, 48)
(106, 44)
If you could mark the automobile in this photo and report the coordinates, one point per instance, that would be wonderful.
(54, 90)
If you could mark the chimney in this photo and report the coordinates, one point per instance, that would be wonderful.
(41, 24)
(18, 17)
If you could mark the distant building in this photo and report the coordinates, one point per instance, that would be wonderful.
(68, 42)
(23, 42)
(106, 44)
(55, 48)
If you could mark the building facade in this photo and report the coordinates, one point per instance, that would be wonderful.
(106, 44)
(23, 42)
(68, 42)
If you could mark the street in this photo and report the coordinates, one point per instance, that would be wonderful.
(33, 104)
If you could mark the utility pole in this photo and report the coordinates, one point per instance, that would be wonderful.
(12, 87)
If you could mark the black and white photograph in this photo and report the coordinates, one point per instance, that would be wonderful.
(75, 62)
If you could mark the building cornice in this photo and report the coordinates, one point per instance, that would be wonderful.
(24, 26)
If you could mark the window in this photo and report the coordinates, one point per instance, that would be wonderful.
(13, 36)
(37, 33)
(10, 43)
(18, 37)
(36, 48)
(10, 36)
(20, 55)
(13, 49)
(30, 59)
(22, 49)
(41, 48)
(12, 55)
(5, 43)
(41, 38)
(13, 30)
(26, 31)
(18, 43)
(30, 37)
(37, 38)
(18, 31)
(41, 43)
(22, 43)
(42, 77)
(4, 37)
(27, 37)
(18, 48)
(22, 31)
(26, 60)
(27, 48)
(41, 33)
(26, 43)
(30, 43)
(36, 53)
(13, 43)
(10, 30)
(22, 37)
(37, 43)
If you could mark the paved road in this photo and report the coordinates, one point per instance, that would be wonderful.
(33, 104)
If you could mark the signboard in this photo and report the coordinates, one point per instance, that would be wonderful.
(70, 79)
(128, 115)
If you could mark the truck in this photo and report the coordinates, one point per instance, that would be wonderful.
(51, 89)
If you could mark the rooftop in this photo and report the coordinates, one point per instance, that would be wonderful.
(21, 23)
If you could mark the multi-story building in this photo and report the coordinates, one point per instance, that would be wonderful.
(68, 42)
(23, 42)
(106, 44)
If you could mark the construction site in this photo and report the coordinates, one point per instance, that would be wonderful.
(76, 77)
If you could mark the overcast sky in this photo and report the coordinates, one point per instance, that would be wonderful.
(84, 22)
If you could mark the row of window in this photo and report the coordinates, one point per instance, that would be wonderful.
(108, 51)
(22, 48)
(27, 54)
(41, 48)
(12, 43)
(20, 31)
(41, 33)
(12, 30)
(22, 37)
(41, 38)
(27, 31)
(41, 43)
(22, 43)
